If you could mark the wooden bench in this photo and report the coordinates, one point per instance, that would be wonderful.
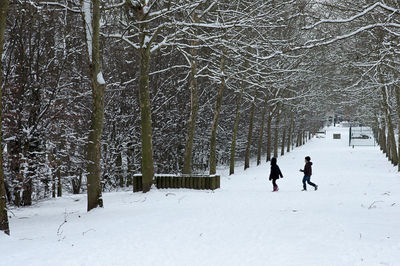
(210, 182)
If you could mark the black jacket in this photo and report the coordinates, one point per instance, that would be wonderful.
(275, 172)
(307, 169)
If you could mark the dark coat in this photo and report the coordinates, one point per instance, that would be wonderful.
(307, 169)
(275, 172)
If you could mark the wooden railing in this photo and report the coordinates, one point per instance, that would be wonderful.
(209, 182)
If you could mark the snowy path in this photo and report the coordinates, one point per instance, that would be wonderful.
(241, 224)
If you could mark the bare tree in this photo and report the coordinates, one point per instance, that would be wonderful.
(3, 200)
(91, 17)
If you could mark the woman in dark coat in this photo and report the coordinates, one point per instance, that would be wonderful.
(275, 174)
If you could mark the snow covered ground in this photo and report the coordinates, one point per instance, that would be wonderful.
(353, 218)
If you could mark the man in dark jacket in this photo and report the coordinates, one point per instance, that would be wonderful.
(275, 174)
(307, 174)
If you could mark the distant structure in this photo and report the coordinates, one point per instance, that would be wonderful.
(361, 136)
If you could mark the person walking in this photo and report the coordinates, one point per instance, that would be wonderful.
(307, 174)
(275, 174)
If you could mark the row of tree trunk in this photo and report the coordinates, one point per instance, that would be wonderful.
(384, 128)
(282, 136)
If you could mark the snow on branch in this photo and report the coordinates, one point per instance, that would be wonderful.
(321, 42)
(123, 2)
(74, 10)
(169, 69)
(364, 12)
(123, 38)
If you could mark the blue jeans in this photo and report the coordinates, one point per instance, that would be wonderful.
(307, 178)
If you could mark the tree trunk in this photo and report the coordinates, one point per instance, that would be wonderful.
(144, 98)
(92, 29)
(27, 174)
(131, 162)
(53, 187)
(59, 183)
(194, 108)
(284, 135)
(145, 109)
(260, 137)
(383, 138)
(250, 133)
(298, 142)
(27, 191)
(76, 184)
(53, 164)
(290, 133)
(4, 226)
(269, 133)
(234, 132)
(397, 89)
(379, 140)
(119, 169)
(300, 138)
(388, 148)
(276, 133)
(213, 140)
(391, 138)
